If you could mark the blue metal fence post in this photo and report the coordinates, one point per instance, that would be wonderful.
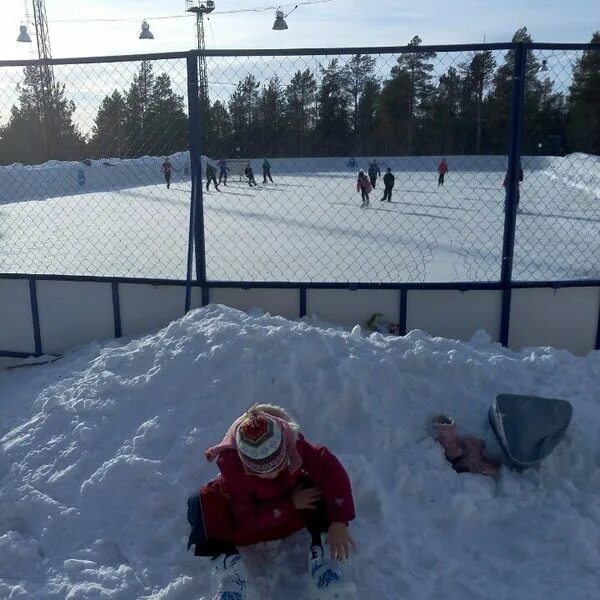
(196, 232)
(512, 187)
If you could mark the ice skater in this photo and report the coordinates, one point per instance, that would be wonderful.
(374, 172)
(223, 170)
(211, 176)
(442, 170)
(388, 185)
(363, 185)
(505, 185)
(250, 175)
(167, 169)
(266, 166)
(272, 483)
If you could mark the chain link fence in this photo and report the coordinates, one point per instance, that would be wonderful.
(558, 218)
(82, 186)
(83, 169)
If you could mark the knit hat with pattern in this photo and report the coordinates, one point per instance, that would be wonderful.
(260, 443)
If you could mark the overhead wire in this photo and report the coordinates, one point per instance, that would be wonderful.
(257, 9)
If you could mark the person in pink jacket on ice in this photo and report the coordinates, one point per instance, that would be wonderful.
(272, 483)
(442, 170)
(363, 185)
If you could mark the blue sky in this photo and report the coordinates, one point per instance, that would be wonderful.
(334, 23)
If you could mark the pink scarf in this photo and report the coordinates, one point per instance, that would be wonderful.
(290, 437)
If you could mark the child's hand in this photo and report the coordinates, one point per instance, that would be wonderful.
(340, 541)
(306, 498)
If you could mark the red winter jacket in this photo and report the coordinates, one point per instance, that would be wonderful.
(364, 185)
(442, 168)
(261, 504)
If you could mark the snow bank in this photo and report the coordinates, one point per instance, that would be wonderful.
(57, 179)
(581, 171)
(101, 449)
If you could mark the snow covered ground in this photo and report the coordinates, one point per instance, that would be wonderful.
(100, 450)
(307, 226)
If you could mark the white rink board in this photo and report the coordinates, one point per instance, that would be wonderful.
(454, 314)
(145, 308)
(72, 313)
(564, 318)
(16, 323)
(352, 307)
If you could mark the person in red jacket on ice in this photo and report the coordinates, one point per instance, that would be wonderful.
(442, 170)
(272, 483)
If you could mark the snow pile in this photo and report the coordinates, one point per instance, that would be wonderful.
(100, 450)
(581, 171)
(57, 179)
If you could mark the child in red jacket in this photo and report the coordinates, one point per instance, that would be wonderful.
(272, 483)
(442, 170)
(363, 185)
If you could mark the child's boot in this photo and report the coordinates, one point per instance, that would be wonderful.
(231, 577)
(326, 577)
(446, 434)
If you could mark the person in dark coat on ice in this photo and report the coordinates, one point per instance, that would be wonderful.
(167, 169)
(374, 172)
(442, 170)
(505, 185)
(211, 177)
(266, 166)
(223, 170)
(250, 175)
(272, 483)
(388, 182)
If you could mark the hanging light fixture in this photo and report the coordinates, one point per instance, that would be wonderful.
(24, 36)
(146, 34)
(280, 17)
(280, 24)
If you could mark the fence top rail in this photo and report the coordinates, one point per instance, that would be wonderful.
(243, 52)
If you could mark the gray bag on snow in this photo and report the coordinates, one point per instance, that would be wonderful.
(528, 428)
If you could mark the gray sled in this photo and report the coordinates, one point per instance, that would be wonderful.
(528, 428)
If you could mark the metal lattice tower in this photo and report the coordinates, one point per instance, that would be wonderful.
(42, 35)
(47, 91)
(200, 8)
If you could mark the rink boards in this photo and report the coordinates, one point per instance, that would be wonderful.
(40, 316)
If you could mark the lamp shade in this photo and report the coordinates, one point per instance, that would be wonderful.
(24, 36)
(280, 24)
(146, 34)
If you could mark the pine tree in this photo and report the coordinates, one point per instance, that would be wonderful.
(138, 107)
(217, 131)
(41, 125)
(583, 125)
(300, 96)
(478, 76)
(243, 109)
(271, 118)
(444, 116)
(109, 137)
(360, 78)
(541, 108)
(410, 84)
(167, 124)
(333, 125)
(367, 117)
